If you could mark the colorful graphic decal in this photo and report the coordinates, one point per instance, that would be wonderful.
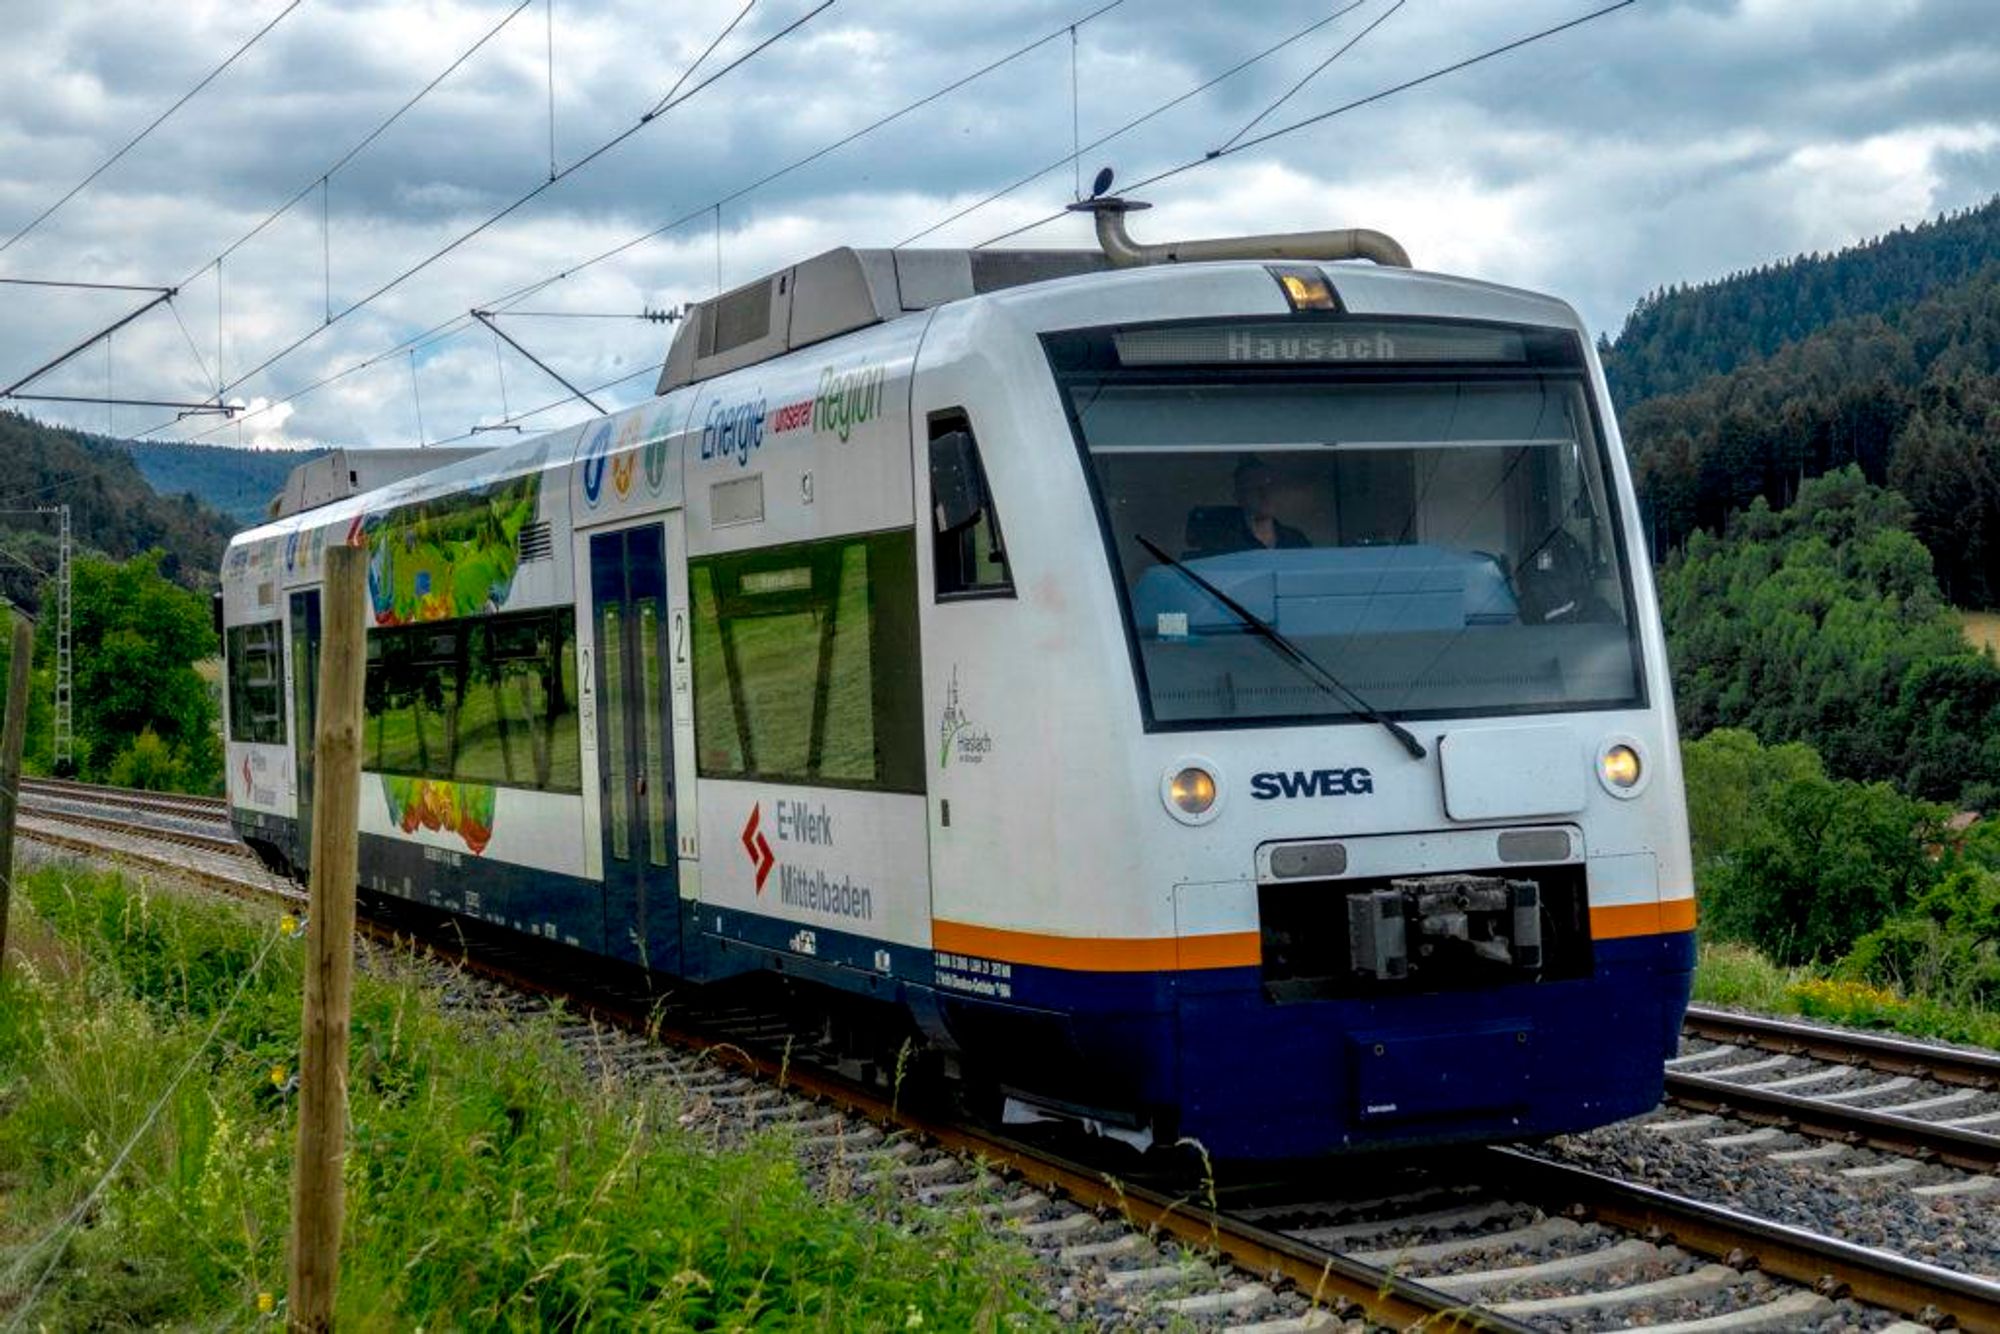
(465, 809)
(452, 556)
(595, 457)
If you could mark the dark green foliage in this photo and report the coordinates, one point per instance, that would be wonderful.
(237, 483)
(1901, 378)
(1947, 944)
(1824, 863)
(112, 509)
(138, 636)
(1821, 623)
(1678, 336)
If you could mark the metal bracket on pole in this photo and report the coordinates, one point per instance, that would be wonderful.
(485, 317)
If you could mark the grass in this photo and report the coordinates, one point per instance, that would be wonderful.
(1731, 974)
(1982, 628)
(491, 1182)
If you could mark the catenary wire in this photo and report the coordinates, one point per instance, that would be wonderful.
(360, 144)
(1135, 122)
(1279, 133)
(1315, 72)
(456, 324)
(157, 121)
(523, 200)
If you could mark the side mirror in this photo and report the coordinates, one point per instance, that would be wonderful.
(957, 498)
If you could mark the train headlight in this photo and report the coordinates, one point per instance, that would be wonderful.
(1621, 767)
(1191, 792)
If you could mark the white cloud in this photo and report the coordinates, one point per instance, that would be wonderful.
(1673, 141)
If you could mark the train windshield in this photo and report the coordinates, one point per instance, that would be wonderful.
(1442, 540)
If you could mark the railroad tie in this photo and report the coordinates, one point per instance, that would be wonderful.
(1701, 1282)
(1876, 1171)
(1821, 1154)
(1568, 1266)
(1749, 1067)
(1787, 1312)
(1702, 1122)
(1959, 1098)
(1702, 1057)
(1513, 1239)
(1315, 1321)
(1153, 1276)
(1972, 1122)
(1245, 1298)
(1764, 1135)
(1900, 1082)
(1963, 1186)
(1076, 1257)
(1475, 1215)
(1807, 1080)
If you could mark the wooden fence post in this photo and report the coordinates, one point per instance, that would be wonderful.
(317, 1194)
(11, 737)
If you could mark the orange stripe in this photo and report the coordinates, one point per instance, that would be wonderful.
(1102, 954)
(1641, 919)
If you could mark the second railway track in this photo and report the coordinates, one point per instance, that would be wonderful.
(1497, 1239)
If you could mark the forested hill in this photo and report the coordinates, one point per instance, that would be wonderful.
(112, 509)
(1678, 336)
(1910, 393)
(237, 482)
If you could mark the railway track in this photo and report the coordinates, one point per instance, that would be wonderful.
(1495, 1239)
(1921, 1103)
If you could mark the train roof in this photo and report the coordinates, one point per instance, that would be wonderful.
(844, 291)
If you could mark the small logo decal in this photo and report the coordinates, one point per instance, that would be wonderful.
(758, 846)
(594, 461)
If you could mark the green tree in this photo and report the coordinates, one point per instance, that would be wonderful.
(1830, 862)
(1730, 779)
(137, 636)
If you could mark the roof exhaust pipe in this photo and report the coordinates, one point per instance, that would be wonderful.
(1124, 253)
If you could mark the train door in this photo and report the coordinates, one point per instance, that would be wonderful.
(628, 583)
(305, 702)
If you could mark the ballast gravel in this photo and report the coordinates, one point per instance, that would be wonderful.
(1961, 1233)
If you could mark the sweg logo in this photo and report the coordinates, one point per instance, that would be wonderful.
(733, 430)
(1312, 783)
(759, 847)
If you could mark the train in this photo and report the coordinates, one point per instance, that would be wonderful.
(1203, 692)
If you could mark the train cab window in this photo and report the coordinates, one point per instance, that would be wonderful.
(971, 558)
(256, 684)
(805, 664)
(479, 701)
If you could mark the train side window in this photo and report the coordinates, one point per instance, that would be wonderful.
(970, 556)
(256, 684)
(476, 700)
(805, 664)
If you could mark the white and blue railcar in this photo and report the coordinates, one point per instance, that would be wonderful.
(1220, 699)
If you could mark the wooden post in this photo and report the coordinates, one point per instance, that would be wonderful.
(11, 737)
(317, 1195)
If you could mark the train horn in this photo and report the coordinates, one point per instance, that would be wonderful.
(1347, 243)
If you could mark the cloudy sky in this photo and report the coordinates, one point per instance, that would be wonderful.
(1670, 141)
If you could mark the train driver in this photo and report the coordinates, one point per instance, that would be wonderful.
(1213, 530)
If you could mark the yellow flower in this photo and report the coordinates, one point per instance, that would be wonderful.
(288, 924)
(266, 1303)
(278, 1074)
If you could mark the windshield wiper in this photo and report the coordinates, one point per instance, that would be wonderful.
(1297, 656)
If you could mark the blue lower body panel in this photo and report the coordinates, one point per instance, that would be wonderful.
(1214, 1060)
(1201, 1053)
